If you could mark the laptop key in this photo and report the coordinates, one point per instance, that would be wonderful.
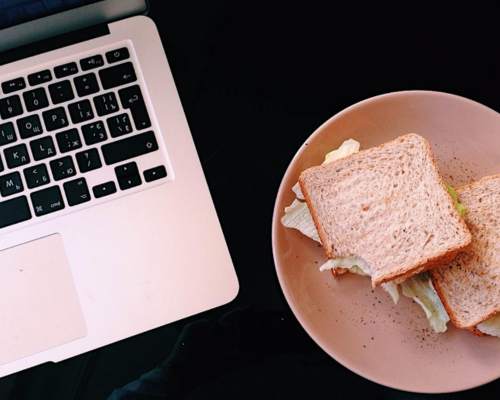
(86, 84)
(43, 148)
(36, 176)
(92, 62)
(80, 111)
(77, 192)
(40, 77)
(13, 85)
(106, 104)
(29, 126)
(119, 125)
(62, 168)
(10, 107)
(61, 92)
(128, 176)
(88, 160)
(153, 174)
(133, 146)
(68, 140)
(46, 201)
(16, 156)
(117, 55)
(64, 70)
(35, 99)
(14, 211)
(132, 99)
(7, 134)
(55, 119)
(118, 75)
(94, 133)
(104, 189)
(11, 184)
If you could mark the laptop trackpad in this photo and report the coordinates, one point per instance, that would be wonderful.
(39, 307)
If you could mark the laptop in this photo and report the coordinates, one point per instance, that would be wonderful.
(107, 225)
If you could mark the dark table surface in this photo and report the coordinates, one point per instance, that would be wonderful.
(256, 79)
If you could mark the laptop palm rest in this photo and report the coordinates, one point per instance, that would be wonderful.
(39, 303)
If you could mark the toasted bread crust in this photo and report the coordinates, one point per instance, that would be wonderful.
(372, 204)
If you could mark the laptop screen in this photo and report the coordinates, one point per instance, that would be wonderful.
(23, 22)
(15, 12)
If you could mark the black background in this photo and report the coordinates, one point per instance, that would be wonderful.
(256, 79)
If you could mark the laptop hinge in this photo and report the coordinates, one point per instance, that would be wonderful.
(53, 43)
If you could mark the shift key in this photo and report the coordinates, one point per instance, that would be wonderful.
(14, 211)
(130, 147)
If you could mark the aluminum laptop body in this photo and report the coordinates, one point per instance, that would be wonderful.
(107, 228)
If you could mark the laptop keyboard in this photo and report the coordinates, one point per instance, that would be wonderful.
(73, 134)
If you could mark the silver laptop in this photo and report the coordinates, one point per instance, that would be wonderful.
(107, 226)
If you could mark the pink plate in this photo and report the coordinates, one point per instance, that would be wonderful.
(361, 328)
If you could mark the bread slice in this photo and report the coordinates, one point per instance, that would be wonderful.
(387, 205)
(469, 286)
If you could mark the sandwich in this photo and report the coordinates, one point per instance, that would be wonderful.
(387, 206)
(384, 212)
(469, 285)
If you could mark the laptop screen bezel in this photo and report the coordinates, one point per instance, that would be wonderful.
(81, 17)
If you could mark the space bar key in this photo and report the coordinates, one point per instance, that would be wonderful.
(130, 147)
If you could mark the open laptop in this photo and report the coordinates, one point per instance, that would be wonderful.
(107, 226)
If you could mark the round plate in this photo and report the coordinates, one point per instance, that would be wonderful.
(362, 328)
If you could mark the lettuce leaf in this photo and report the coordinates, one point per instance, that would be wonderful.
(491, 326)
(297, 216)
(460, 207)
(421, 290)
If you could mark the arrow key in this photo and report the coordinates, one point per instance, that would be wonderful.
(128, 175)
(155, 173)
(104, 189)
